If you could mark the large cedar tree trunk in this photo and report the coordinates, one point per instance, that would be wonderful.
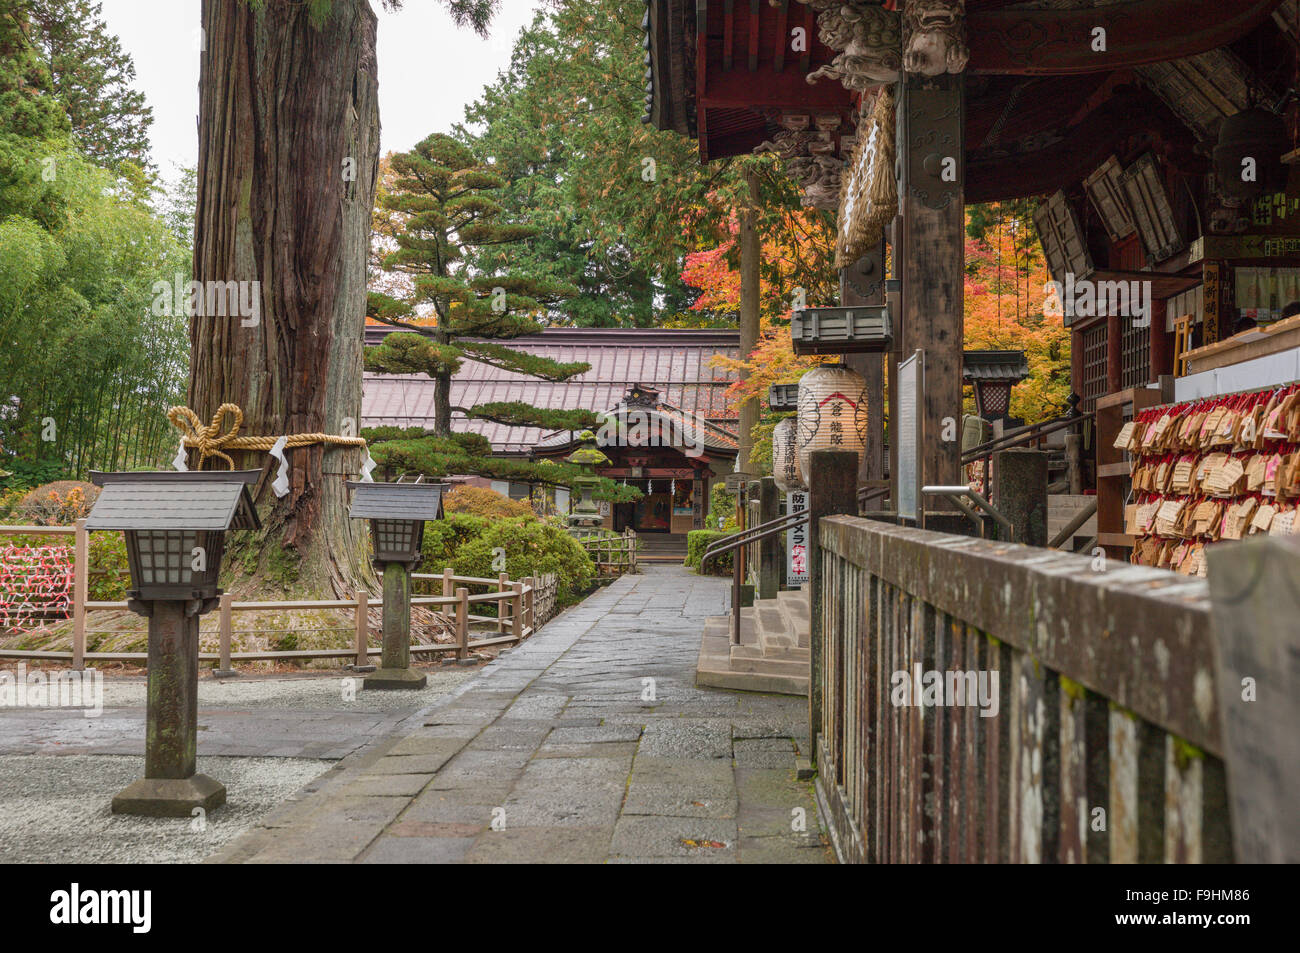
(283, 102)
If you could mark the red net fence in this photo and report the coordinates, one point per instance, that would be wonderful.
(35, 586)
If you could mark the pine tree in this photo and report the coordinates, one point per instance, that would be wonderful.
(441, 210)
(92, 75)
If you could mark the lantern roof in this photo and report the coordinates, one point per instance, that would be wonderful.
(396, 501)
(174, 499)
(983, 366)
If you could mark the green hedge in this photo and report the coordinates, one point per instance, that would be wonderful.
(699, 540)
(530, 546)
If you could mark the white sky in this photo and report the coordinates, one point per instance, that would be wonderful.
(429, 69)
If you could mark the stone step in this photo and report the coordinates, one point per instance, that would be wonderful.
(769, 666)
(794, 606)
(744, 668)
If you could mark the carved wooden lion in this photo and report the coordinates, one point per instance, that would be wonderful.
(936, 31)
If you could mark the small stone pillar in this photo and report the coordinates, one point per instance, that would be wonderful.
(1020, 492)
(170, 787)
(395, 665)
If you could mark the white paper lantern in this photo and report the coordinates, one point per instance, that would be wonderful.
(785, 456)
(832, 413)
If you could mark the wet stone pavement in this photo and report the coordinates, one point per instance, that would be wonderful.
(589, 743)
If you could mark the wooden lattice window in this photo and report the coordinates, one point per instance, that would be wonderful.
(1135, 354)
(1094, 364)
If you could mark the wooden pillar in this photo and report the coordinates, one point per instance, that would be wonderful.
(462, 623)
(1114, 353)
(1076, 361)
(932, 251)
(363, 628)
(771, 558)
(750, 252)
(895, 353)
(517, 611)
(863, 283)
(503, 585)
(225, 632)
(1162, 342)
(1255, 602)
(832, 491)
(80, 593)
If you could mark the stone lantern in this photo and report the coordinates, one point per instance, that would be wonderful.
(397, 513)
(585, 513)
(175, 525)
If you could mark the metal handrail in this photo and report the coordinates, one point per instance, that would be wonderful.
(1013, 438)
(754, 534)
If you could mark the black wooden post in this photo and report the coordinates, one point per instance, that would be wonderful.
(832, 491)
(1020, 492)
(769, 563)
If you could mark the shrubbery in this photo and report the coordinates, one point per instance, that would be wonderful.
(467, 544)
(697, 542)
(721, 504)
(443, 538)
(530, 546)
(480, 501)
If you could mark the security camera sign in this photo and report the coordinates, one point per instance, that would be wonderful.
(796, 542)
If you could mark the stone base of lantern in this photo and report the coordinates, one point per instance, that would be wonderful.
(390, 678)
(170, 797)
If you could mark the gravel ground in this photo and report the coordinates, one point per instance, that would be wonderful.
(304, 692)
(55, 808)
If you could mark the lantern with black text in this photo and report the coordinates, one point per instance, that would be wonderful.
(785, 456)
(832, 412)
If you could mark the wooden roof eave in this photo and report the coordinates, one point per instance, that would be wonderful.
(1055, 41)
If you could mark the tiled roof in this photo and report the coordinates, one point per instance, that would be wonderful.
(994, 366)
(676, 363)
(411, 501)
(199, 500)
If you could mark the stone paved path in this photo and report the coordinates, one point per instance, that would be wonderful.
(588, 743)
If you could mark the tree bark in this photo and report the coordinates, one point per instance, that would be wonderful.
(750, 251)
(288, 157)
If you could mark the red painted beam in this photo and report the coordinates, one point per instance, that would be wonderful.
(1047, 42)
(764, 90)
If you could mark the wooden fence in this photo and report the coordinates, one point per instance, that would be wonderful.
(612, 554)
(1100, 740)
(522, 606)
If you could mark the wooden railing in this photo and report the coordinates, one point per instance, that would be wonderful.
(1097, 735)
(522, 606)
(613, 555)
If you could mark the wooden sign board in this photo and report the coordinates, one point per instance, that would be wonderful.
(783, 397)
(911, 386)
(737, 480)
(857, 330)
